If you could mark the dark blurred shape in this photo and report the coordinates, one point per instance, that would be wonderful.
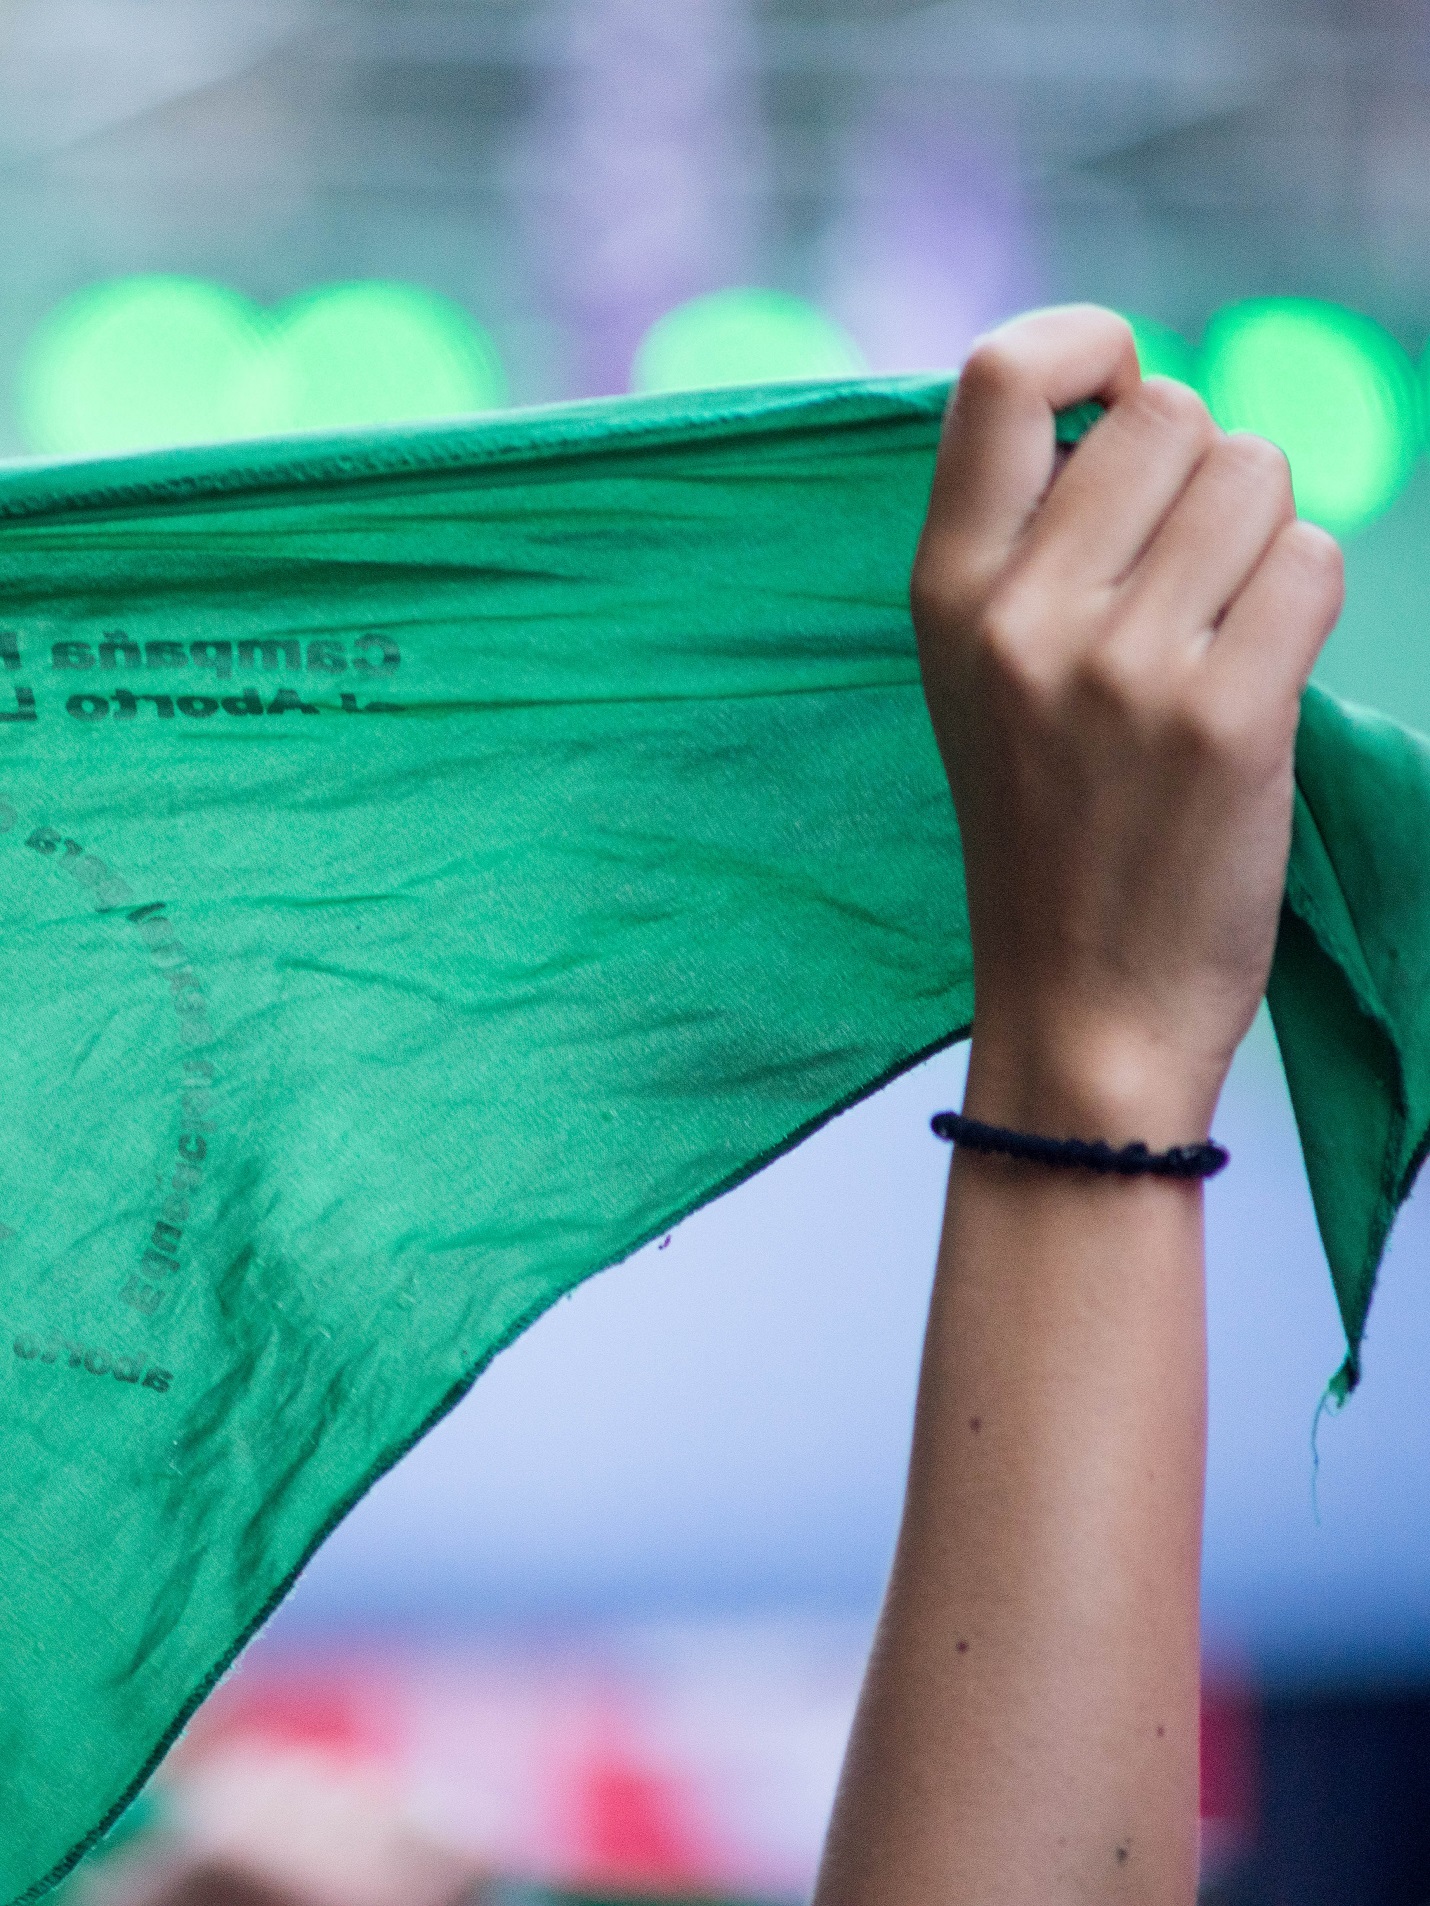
(1346, 1798)
(1344, 1782)
(219, 1885)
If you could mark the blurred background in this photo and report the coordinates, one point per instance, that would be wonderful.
(601, 1633)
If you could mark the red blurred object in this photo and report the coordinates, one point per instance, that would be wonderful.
(1230, 1766)
(699, 1762)
(634, 1828)
(347, 1714)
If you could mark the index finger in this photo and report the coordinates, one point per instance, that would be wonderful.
(996, 458)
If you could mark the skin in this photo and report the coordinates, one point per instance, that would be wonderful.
(1113, 652)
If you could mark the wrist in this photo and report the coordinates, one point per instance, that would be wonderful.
(1085, 1080)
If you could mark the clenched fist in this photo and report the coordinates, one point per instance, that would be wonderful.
(1113, 654)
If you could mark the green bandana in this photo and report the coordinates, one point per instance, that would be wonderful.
(433, 864)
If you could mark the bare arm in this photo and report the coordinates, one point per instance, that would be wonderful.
(1113, 662)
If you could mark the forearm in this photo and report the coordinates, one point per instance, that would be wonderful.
(1028, 1730)
(1113, 653)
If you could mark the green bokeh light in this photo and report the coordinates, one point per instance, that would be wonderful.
(136, 363)
(374, 353)
(1333, 389)
(143, 362)
(742, 336)
(1161, 351)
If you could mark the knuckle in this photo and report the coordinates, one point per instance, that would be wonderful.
(1225, 724)
(1211, 729)
(1119, 330)
(1175, 406)
(1010, 638)
(1233, 724)
(1317, 553)
(1110, 679)
(1117, 340)
(992, 370)
(1005, 626)
(1257, 460)
(1105, 331)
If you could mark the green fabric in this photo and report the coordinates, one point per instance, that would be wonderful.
(576, 844)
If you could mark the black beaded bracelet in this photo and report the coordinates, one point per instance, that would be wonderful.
(1083, 1154)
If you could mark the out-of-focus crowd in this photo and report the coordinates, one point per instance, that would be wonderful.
(255, 1828)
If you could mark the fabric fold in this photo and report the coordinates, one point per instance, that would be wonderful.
(1348, 992)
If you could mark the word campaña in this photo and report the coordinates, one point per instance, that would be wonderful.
(99, 1363)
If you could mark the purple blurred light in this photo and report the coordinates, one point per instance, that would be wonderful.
(649, 140)
(935, 245)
